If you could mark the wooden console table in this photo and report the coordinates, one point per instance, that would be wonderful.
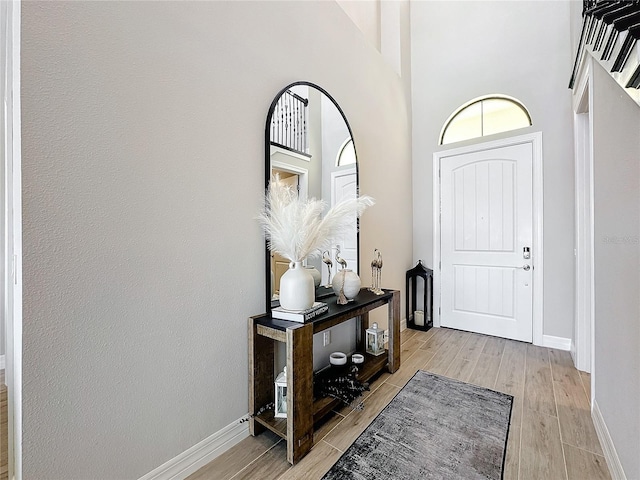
(302, 409)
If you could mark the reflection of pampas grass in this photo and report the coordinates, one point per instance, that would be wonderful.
(296, 229)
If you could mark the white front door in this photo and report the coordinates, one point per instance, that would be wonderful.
(486, 236)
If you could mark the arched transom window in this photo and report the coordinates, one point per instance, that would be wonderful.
(346, 154)
(485, 116)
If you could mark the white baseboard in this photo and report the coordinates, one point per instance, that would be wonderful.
(610, 454)
(2, 362)
(574, 353)
(559, 343)
(200, 454)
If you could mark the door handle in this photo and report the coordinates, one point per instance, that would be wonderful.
(526, 268)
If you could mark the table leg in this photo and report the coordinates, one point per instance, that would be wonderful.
(362, 323)
(394, 332)
(261, 358)
(299, 391)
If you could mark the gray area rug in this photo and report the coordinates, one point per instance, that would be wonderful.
(436, 427)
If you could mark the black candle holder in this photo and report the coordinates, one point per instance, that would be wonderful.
(426, 274)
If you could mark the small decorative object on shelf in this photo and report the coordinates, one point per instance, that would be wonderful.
(338, 358)
(376, 272)
(346, 285)
(375, 340)
(281, 395)
(318, 308)
(357, 358)
(342, 385)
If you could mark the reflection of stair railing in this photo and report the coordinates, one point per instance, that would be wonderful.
(289, 123)
(610, 32)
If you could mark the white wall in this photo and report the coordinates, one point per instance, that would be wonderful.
(365, 14)
(143, 163)
(575, 25)
(386, 25)
(462, 50)
(616, 140)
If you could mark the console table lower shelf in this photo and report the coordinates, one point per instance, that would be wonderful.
(303, 411)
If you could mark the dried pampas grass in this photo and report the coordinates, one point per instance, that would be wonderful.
(296, 229)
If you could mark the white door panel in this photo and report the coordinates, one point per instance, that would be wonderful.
(486, 222)
(472, 293)
(344, 185)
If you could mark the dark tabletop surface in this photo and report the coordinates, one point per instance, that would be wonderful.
(364, 298)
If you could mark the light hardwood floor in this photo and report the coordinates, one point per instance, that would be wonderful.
(4, 435)
(551, 435)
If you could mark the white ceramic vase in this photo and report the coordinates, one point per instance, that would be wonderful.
(348, 281)
(296, 288)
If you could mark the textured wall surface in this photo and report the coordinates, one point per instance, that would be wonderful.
(143, 167)
(616, 141)
(463, 50)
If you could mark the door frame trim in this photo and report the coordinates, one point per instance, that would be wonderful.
(535, 139)
(12, 291)
(303, 175)
(584, 328)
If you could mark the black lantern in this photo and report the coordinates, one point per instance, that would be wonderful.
(419, 319)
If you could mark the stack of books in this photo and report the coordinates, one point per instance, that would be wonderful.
(318, 308)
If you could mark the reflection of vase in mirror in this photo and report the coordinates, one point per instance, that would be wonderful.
(317, 276)
(309, 144)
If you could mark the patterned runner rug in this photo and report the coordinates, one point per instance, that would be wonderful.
(436, 428)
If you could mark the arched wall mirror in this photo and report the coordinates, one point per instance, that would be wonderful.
(306, 131)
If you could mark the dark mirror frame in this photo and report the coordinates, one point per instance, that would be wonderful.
(267, 176)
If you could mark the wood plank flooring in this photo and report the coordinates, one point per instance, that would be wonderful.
(4, 434)
(551, 435)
